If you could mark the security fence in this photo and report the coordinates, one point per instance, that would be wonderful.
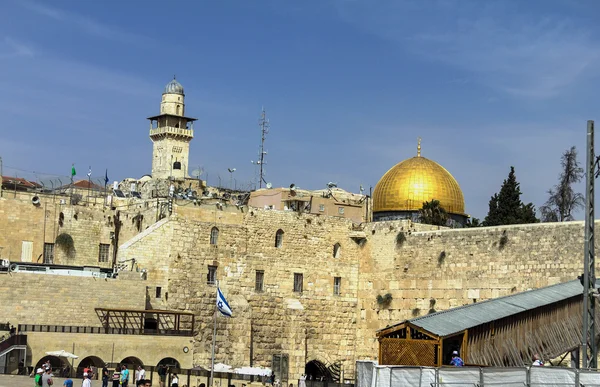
(369, 374)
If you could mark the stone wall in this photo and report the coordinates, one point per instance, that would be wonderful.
(64, 300)
(448, 268)
(312, 325)
(89, 225)
(110, 348)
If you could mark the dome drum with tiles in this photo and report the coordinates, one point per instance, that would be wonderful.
(403, 189)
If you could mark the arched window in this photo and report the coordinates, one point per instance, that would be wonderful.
(177, 165)
(214, 236)
(337, 250)
(177, 110)
(279, 238)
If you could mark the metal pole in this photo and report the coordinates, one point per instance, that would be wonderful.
(214, 342)
(589, 352)
(0, 177)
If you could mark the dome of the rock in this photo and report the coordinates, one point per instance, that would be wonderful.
(402, 190)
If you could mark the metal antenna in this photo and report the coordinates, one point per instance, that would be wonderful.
(264, 125)
(590, 355)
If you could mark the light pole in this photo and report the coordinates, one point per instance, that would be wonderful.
(231, 170)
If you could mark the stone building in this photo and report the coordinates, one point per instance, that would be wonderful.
(310, 287)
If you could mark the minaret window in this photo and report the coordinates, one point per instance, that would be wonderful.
(177, 165)
(279, 238)
(177, 110)
(214, 236)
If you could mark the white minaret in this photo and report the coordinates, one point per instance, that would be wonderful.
(171, 133)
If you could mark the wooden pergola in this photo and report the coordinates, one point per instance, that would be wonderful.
(147, 321)
(505, 331)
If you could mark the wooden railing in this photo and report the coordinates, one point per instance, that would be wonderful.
(103, 330)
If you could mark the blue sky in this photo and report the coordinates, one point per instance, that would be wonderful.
(348, 87)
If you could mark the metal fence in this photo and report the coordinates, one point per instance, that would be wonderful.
(369, 374)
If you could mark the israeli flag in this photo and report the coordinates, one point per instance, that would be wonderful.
(222, 304)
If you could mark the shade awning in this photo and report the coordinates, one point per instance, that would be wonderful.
(62, 353)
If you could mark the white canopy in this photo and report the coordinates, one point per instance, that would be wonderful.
(62, 353)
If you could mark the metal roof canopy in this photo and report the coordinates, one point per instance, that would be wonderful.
(453, 321)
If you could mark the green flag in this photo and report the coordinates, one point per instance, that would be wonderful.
(73, 173)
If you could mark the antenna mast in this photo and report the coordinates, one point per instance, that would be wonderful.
(264, 125)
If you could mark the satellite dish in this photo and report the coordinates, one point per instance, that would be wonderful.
(331, 185)
(292, 187)
(269, 185)
(231, 170)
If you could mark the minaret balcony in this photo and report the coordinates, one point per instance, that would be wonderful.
(172, 131)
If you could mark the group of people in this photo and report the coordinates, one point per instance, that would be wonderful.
(458, 362)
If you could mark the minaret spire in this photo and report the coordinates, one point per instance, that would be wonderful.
(419, 147)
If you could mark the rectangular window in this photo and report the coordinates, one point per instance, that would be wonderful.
(341, 210)
(49, 253)
(322, 207)
(211, 277)
(298, 279)
(103, 252)
(337, 285)
(158, 291)
(260, 278)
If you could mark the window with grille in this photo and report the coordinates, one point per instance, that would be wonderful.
(260, 278)
(337, 285)
(49, 253)
(279, 238)
(337, 250)
(103, 252)
(211, 277)
(298, 279)
(214, 236)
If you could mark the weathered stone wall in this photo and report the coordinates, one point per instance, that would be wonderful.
(89, 225)
(110, 348)
(448, 268)
(312, 325)
(64, 300)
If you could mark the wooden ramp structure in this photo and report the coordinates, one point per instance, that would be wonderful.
(501, 332)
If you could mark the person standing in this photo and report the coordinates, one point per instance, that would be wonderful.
(116, 377)
(47, 378)
(456, 360)
(162, 375)
(38, 377)
(141, 375)
(68, 383)
(124, 376)
(174, 381)
(105, 376)
(86, 380)
(537, 361)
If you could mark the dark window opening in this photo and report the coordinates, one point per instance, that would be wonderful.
(211, 277)
(214, 236)
(298, 279)
(158, 291)
(260, 279)
(177, 165)
(337, 285)
(279, 238)
(49, 253)
(103, 252)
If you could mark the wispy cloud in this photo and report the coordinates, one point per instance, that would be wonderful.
(84, 23)
(10, 48)
(534, 56)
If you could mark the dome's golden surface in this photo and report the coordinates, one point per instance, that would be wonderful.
(410, 183)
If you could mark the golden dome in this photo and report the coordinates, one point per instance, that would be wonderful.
(416, 180)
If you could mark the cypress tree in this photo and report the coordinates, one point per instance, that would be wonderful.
(506, 207)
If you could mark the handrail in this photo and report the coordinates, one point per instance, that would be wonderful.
(12, 341)
(102, 330)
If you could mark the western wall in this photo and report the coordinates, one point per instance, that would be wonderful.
(430, 268)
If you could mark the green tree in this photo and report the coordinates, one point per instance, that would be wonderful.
(562, 199)
(473, 222)
(506, 207)
(433, 213)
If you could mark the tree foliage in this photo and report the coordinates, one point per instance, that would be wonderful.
(473, 222)
(506, 207)
(433, 213)
(562, 199)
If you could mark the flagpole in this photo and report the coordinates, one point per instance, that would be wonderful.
(214, 341)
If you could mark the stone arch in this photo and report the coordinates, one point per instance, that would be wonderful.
(56, 363)
(214, 236)
(279, 238)
(131, 362)
(172, 364)
(337, 250)
(317, 370)
(88, 362)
